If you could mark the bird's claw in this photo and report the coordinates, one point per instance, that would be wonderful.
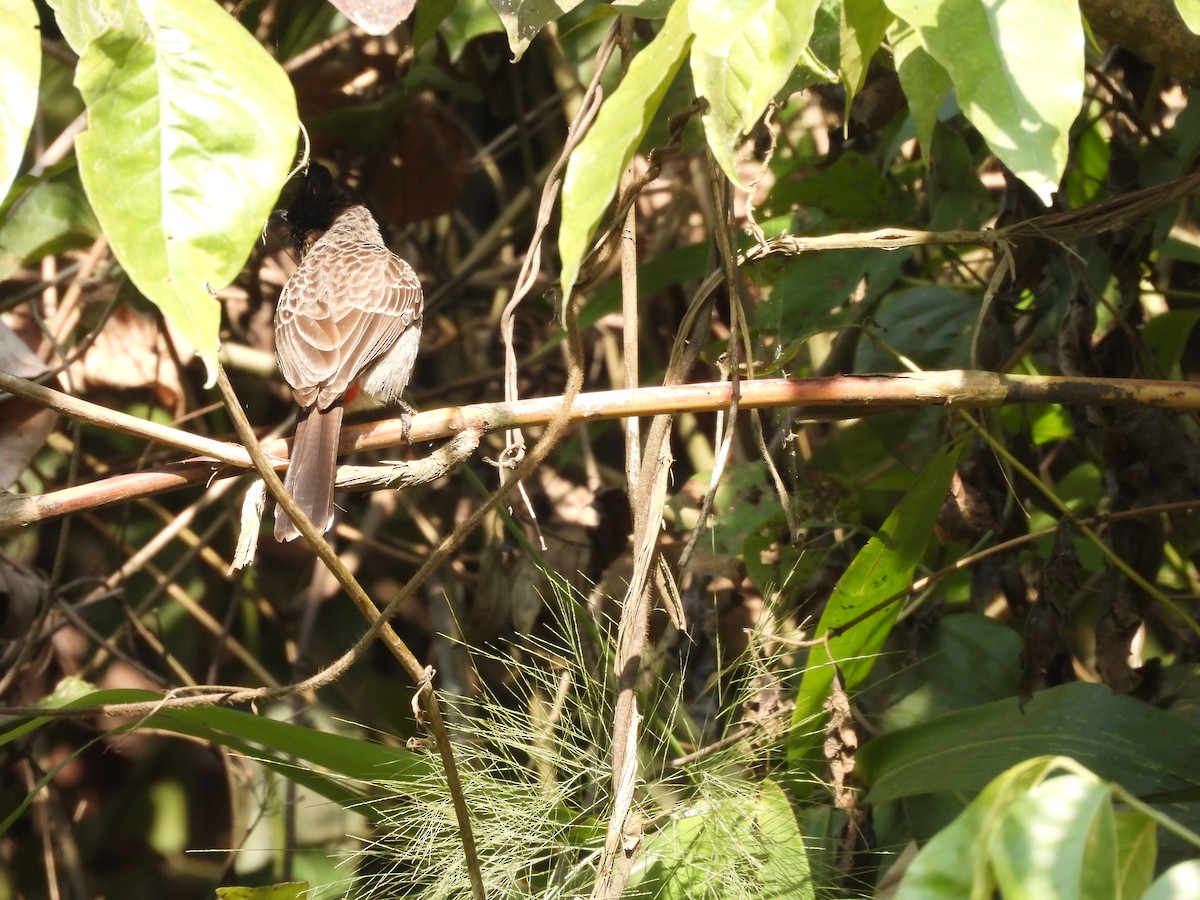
(406, 414)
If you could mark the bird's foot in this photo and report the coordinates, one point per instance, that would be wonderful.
(406, 414)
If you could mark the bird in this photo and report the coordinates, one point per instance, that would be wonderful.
(347, 332)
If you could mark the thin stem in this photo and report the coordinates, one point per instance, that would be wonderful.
(379, 625)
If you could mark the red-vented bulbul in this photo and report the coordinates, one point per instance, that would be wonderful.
(347, 329)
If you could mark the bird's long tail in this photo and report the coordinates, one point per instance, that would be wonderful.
(312, 469)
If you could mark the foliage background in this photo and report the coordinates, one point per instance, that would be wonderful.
(1009, 594)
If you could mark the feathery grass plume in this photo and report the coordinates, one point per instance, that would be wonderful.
(535, 761)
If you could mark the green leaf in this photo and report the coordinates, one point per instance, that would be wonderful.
(809, 291)
(742, 57)
(851, 192)
(883, 568)
(736, 846)
(1137, 850)
(964, 660)
(1032, 833)
(644, 9)
(340, 767)
(468, 19)
(20, 71)
(954, 863)
(929, 324)
(1167, 335)
(359, 760)
(785, 866)
(1181, 880)
(1146, 750)
(926, 84)
(596, 165)
(1189, 11)
(1018, 70)
(80, 22)
(429, 17)
(864, 23)
(1058, 840)
(191, 131)
(523, 19)
(46, 215)
(287, 890)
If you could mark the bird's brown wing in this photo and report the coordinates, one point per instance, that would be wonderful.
(344, 305)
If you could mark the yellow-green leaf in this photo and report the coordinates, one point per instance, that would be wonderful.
(1018, 70)
(20, 70)
(287, 890)
(191, 131)
(595, 168)
(742, 60)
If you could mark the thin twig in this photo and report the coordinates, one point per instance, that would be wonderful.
(379, 625)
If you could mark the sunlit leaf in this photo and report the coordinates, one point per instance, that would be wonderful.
(1182, 880)
(954, 863)
(1018, 71)
(20, 70)
(1046, 827)
(1058, 840)
(743, 55)
(191, 131)
(741, 845)
(596, 165)
(1189, 11)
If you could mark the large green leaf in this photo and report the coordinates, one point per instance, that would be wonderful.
(952, 864)
(1018, 70)
(883, 568)
(1146, 750)
(191, 130)
(1044, 828)
(742, 57)
(961, 661)
(928, 324)
(1059, 840)
(596, 165)
(20, 70)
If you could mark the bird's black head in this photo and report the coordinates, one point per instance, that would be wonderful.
(319, 201)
